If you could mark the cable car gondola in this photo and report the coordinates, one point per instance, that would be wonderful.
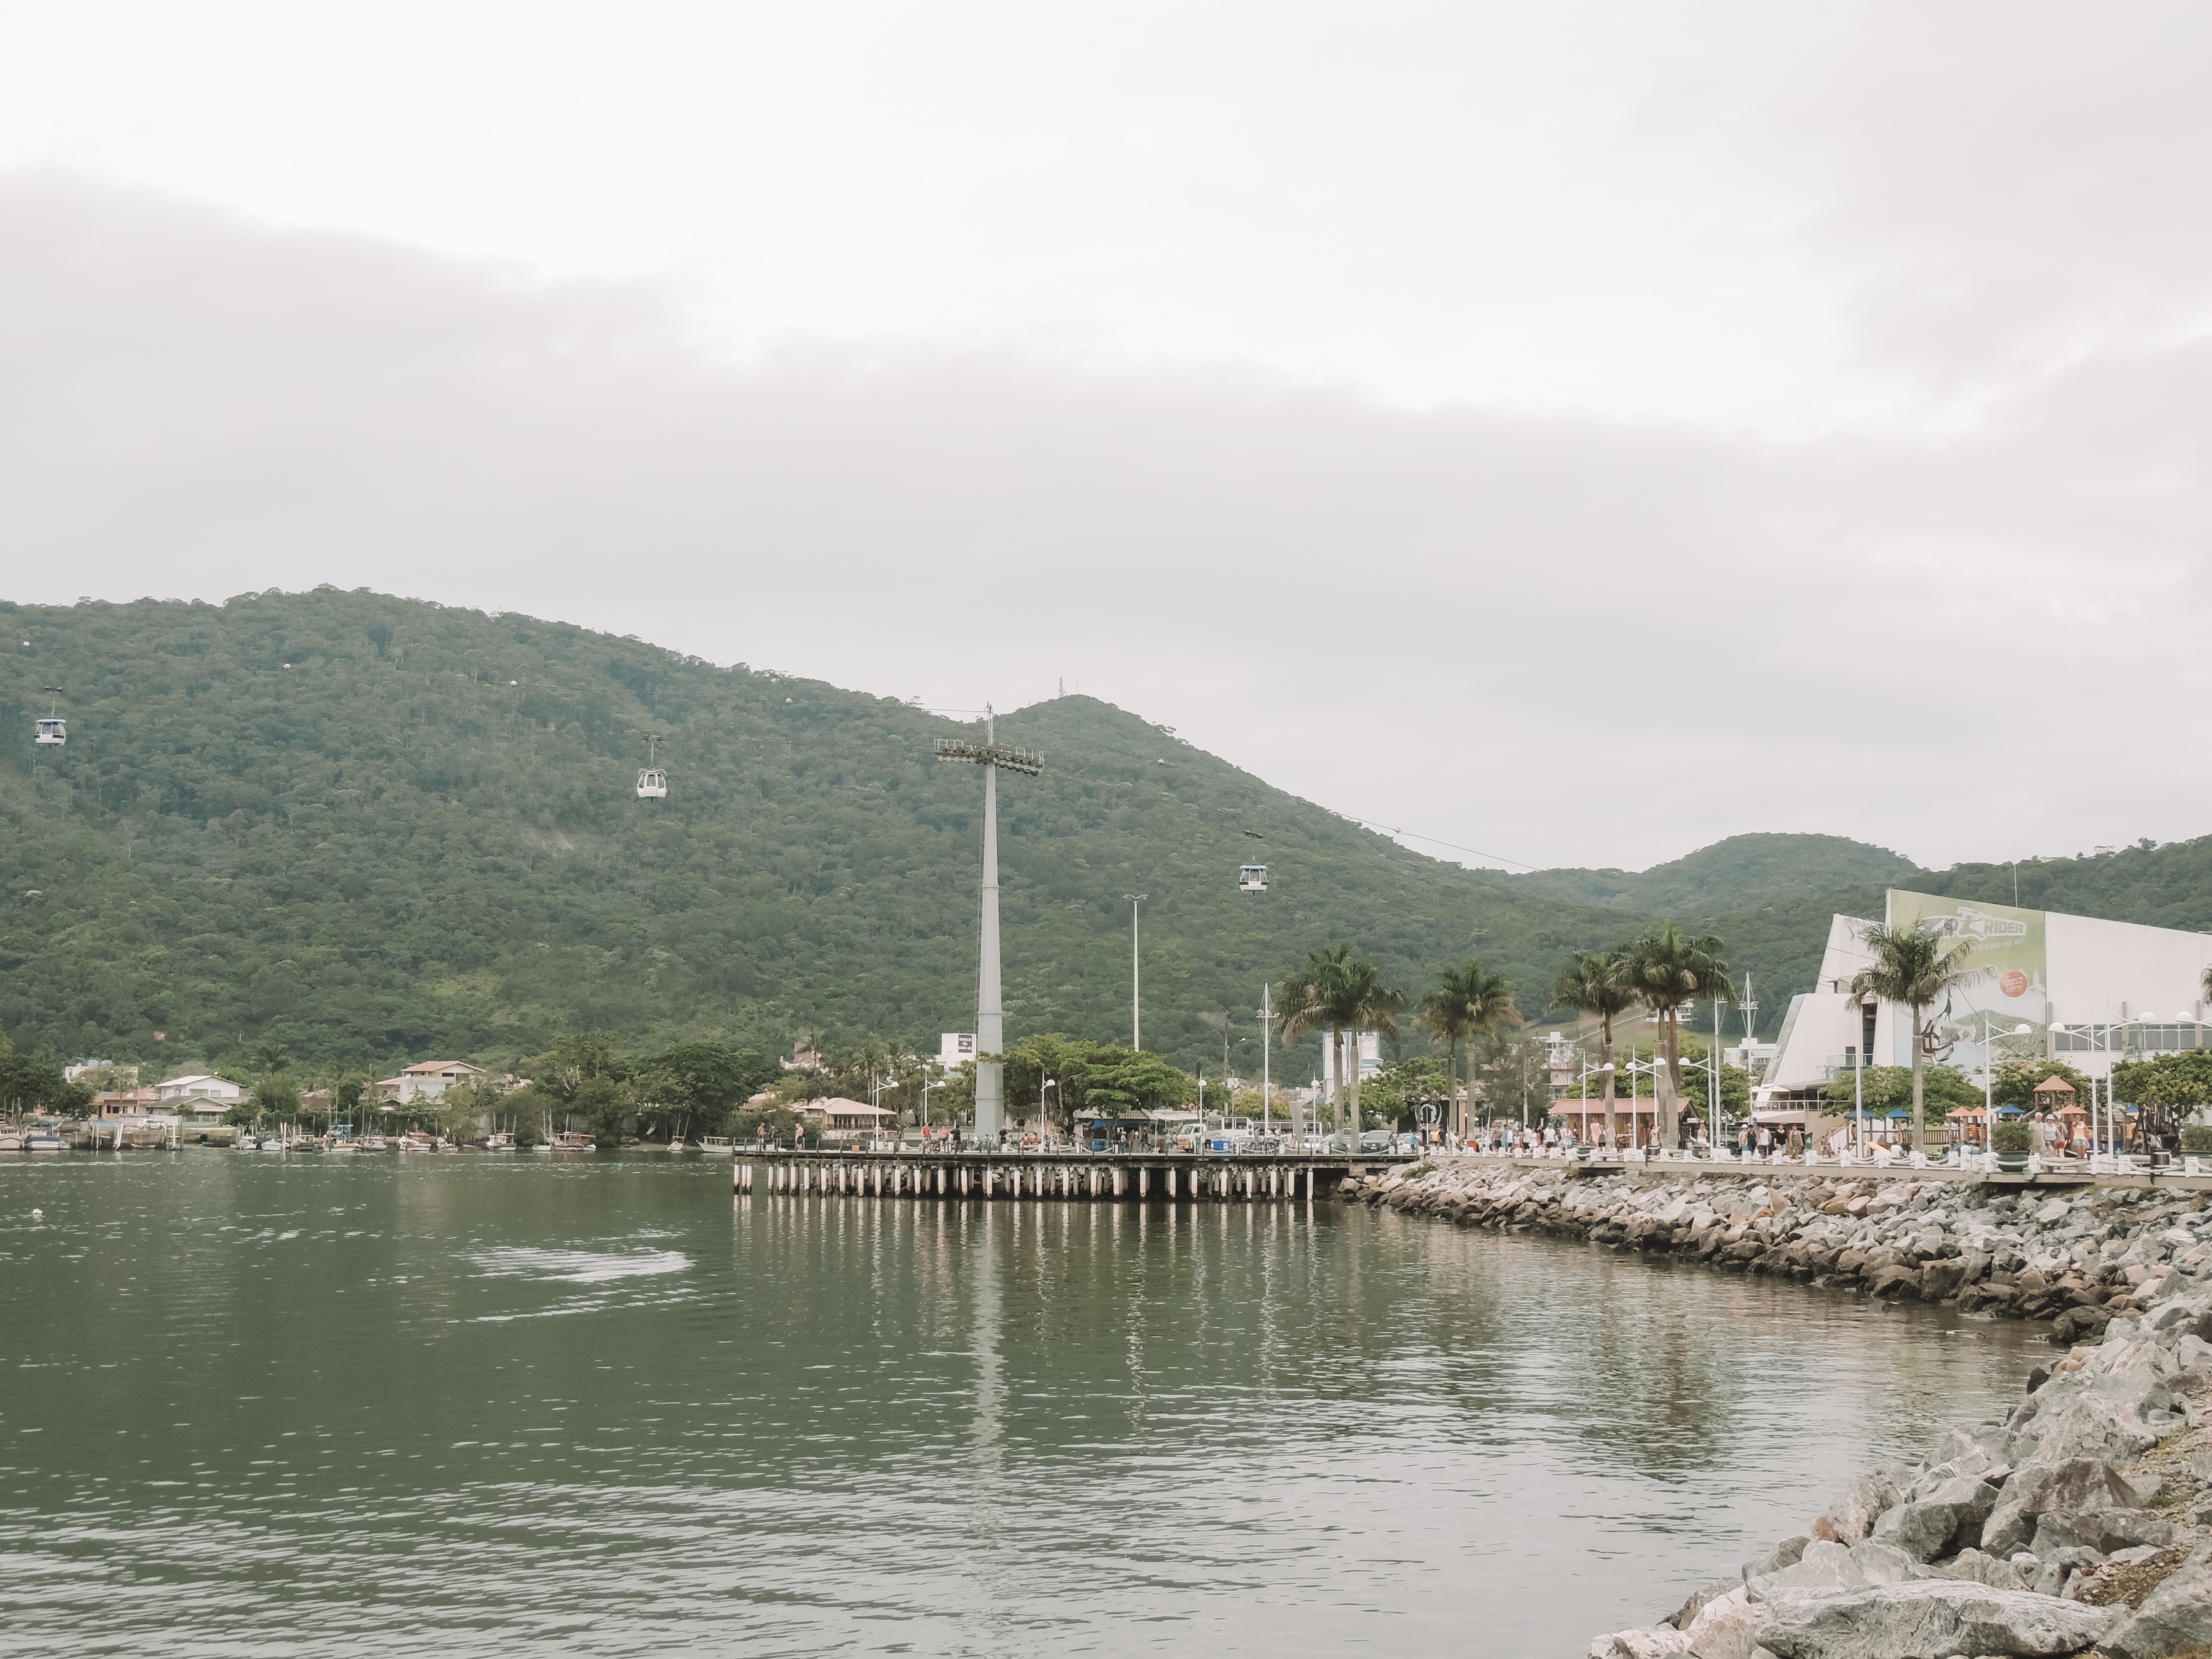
(1252, 878)
(652, 781)
(52, 729)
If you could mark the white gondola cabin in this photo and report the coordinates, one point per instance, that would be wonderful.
(54, 731)
(652, 784)
(1252, 878)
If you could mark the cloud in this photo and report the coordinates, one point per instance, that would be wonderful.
(1565, 639)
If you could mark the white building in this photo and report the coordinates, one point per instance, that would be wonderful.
(201, 1085)
(429, 1080)
(1370, 1057)
(955, 1048)
(2093, 993)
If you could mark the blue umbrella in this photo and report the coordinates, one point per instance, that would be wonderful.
(1898, 1111)
(2009, 1111)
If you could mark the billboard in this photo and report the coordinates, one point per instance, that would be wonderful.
(2005, 953)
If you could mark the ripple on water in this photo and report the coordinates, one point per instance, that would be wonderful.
(575, 1267)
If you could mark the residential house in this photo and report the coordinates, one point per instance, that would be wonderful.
(429, 1080)
(837, 1116)
(201, 1083)
(126, 1103)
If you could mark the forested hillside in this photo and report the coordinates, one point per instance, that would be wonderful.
(1742, 872)
(363, 829)
(367, 829)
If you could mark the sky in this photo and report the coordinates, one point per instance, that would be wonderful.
(1571, 434)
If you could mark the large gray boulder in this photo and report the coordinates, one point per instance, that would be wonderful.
(2108, 1411)
(2102, 1530)
(2083, 1483)
(2174, 1620)
(1927, 1526)
(1981, 1569)
(1927, 1619)
(1851, 1516)
(1722, 1631)
(2075, 1485)
(1657, 1643)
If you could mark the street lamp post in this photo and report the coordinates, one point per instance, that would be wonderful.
(1600, 1070)
(1711, 1069)
(1266, 1054)
(1136, 1001)
(1989, 1074)
(1858, 1098)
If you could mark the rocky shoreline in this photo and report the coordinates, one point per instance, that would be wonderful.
(2080, 1523)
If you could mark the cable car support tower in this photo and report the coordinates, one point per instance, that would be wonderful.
(990, 1015)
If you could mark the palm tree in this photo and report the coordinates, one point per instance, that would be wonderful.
(1668, 967)
(1468, 1001)
(1344, 995)
(1598, 984)
(1912, 967)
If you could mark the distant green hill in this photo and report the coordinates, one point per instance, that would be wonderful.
(1732, 874)
(371, 830)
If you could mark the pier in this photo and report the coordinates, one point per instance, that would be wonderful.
(1066, 1176)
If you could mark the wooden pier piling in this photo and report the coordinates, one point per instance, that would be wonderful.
(1058, 1176)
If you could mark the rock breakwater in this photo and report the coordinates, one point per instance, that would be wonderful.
(2079, 1257)
(2079, 1523)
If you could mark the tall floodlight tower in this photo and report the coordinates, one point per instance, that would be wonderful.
(990, 1016)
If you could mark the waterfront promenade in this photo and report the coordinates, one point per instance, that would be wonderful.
(1068, 1174)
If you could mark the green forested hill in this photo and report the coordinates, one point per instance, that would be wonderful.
(1730, 875)
(368, 829)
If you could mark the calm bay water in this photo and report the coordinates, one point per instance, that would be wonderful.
(512, 1406)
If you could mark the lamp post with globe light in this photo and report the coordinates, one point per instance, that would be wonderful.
(1989, 1074)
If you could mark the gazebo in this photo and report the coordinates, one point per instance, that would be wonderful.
(2055, 1094)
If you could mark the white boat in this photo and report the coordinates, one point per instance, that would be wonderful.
(573, 1141)
(376, 1144)
(718, 1146)
(676, 1144)
(272, 1144)
(499, 1141)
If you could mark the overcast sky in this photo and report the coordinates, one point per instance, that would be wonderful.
(1576, 432)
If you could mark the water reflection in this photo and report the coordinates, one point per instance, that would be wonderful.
(487, 1406)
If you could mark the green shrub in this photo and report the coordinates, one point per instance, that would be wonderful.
(2016, 1136)
(2197, 1138)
